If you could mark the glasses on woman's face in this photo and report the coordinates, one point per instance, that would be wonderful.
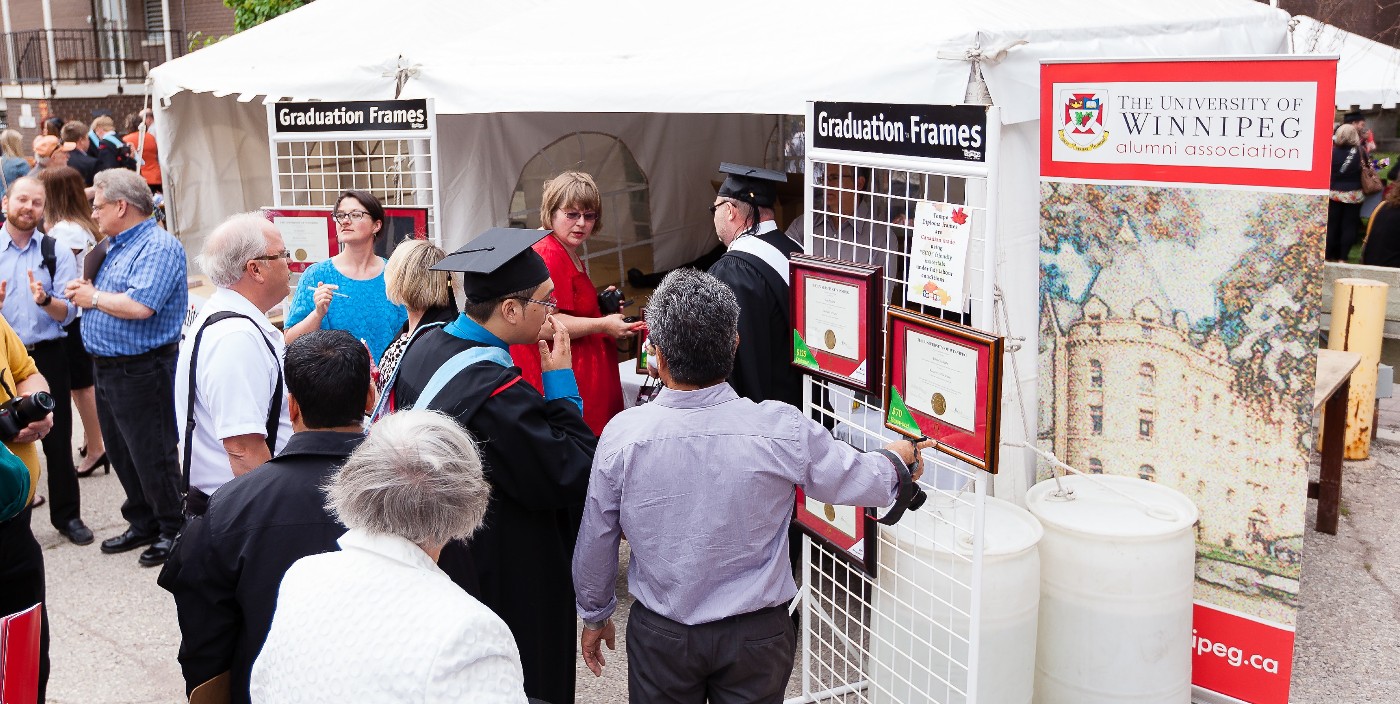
(574, 215)
(348, 216)
(551, 303)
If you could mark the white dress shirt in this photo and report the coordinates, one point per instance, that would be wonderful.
(237, 377)
(379, 622)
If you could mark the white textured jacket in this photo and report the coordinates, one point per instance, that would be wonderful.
(379, 622)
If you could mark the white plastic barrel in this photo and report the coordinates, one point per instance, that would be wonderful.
(1115, 592)
(922, 595)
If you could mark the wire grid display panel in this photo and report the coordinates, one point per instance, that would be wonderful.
(906, 635)
(313, 172)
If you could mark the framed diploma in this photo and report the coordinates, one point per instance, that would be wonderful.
(944, 383)
(308, 232)
(836, 320)
(848, 531)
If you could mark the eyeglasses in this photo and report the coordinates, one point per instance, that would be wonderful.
(719, 205)
(574, 215)
(97, 207)
(344, 217)
(552, 303)
(284, 254)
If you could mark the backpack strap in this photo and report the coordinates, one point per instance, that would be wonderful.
(47, 246)
(274, 407)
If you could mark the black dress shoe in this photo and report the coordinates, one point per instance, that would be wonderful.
(157, 553)
(130, 540)
(76, 532)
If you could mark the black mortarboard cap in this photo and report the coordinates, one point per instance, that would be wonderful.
(1353, 117)
(751, 185)
(497, 262)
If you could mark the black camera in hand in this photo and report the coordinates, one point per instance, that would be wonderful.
(610, 301)
(20, 411)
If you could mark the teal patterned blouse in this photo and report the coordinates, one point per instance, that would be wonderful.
(366, 314)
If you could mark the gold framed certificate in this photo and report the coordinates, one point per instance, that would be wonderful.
(945, 384)
(835, 320)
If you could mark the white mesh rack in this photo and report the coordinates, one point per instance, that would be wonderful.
(910, 634)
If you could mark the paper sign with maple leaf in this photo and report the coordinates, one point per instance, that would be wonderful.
(938, 255)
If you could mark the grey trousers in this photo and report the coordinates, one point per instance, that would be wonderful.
(741, 659)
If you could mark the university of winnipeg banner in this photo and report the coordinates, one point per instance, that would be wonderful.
(1183, 212)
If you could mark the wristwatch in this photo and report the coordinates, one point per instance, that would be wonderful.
(96, 296)
(48, 298)
(596, 625)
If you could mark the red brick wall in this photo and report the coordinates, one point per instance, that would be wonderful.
(67, 14)
(210, 17)
(27, 15)
(71, 109)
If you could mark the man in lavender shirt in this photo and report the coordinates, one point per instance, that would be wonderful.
(703, 481)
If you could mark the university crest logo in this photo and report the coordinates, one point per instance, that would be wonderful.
(1082, 119)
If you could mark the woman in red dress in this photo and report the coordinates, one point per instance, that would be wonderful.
(573, 208)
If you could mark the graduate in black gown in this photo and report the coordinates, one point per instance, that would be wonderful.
(536, 448)
(756, 268)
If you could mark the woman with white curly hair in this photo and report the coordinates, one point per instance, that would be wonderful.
(378, 621)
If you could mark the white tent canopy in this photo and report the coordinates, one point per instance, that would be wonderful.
(1368, 72)
(643, 56)
(636, 56)
(682, 85)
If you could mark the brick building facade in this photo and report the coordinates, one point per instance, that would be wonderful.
(91, 57)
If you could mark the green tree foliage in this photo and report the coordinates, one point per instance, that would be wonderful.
(251, 13)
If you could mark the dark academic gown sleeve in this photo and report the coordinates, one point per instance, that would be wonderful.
(537, 455)
(762, 370)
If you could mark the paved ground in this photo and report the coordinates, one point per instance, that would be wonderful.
(115, 636)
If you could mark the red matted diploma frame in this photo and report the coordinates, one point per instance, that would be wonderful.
(848, 531)
(309, 234)
(944, 382)
(836, 320)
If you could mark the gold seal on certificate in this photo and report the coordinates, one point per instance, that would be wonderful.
(830, 512)
(830, 339)
(942, 378)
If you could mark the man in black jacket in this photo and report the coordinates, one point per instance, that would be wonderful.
(228, 563)
(83, 159)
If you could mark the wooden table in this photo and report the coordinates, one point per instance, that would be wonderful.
(1334, 370)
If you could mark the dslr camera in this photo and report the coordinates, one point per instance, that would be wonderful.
(610, 302)
(21, 411)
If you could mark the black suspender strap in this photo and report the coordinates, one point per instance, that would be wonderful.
(274, 407)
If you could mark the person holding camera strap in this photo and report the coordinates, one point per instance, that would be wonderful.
(233, 421)
(704, 480)
(29, 265)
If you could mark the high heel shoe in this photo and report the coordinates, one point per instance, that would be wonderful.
(82, 450)
(102, 462)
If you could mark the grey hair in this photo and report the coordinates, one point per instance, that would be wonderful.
(417, 475)
(230, 247)
(693, 319)
(123, 184)
(1346, 136)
